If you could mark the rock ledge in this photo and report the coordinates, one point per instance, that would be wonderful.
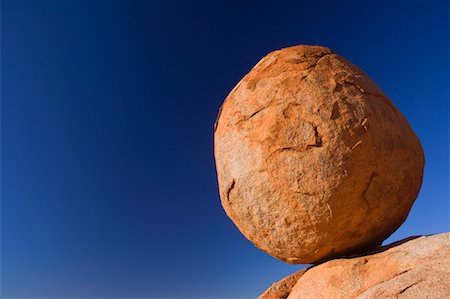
(417, 267)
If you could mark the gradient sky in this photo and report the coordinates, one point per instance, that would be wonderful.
(107, 109)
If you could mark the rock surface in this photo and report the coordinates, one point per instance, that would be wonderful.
(281, 289)
(313, 160)
(413, 268)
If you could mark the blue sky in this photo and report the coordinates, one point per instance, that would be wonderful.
(108, 183)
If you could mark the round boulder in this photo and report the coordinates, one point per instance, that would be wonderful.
(313, 160)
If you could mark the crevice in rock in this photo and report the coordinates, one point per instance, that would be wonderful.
(318, 142)
(246, 118)
(256, 112)
(409, 286)
(233, 183)
(216, 123)
(320, 57)
(306, 193)
(364, 192)
(335, 113)
(304, 77)
(386, 280)
(283, 149)
(372, 177)
(314, 65)
(398, 274)
(318, 138)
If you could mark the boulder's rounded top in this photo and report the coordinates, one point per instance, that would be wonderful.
(305, 50)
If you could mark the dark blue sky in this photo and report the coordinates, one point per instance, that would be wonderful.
(107, 110)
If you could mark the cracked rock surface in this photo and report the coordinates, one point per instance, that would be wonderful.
(313, 160)
(412, 268)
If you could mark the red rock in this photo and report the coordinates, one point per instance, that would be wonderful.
(282, 288)
(313, 160)
(418, 268)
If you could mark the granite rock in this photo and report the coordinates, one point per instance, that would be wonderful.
(313, 160)
(416, 268)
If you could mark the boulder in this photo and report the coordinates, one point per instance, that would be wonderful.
(313, 160)
(413, 268)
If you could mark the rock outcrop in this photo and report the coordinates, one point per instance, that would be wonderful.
(281, 289)
(313, 160)
(413, 268)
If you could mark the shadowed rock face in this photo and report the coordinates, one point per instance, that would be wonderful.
(313, 160)
(416, 268)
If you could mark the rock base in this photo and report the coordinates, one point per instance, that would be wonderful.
(417, 267)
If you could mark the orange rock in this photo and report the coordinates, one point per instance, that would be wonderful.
(313, 160)
(282, 288)
(417, 268)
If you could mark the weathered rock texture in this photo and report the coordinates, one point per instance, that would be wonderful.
(416, 268)
(281, 289)
(313, 160)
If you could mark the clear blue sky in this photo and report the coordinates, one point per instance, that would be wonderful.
(107, 110)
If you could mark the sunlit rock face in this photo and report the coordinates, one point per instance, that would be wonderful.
(414, 268)
(313, 160)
